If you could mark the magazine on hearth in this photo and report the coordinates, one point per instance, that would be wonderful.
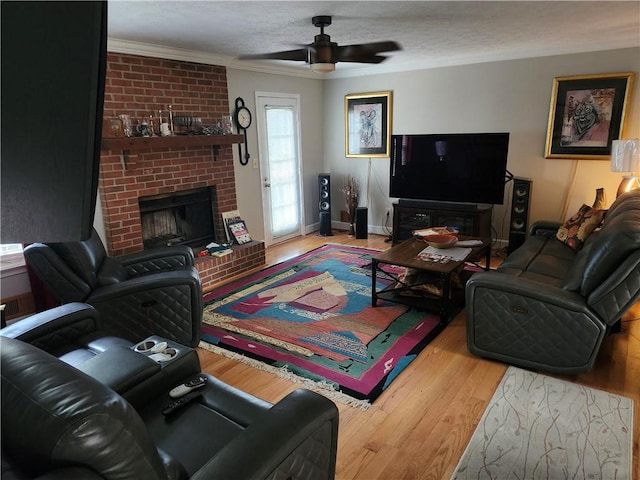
(239, 232)
(227, 217)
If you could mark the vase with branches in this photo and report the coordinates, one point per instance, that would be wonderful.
(351, 190)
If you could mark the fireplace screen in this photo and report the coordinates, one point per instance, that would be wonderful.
(180, 218)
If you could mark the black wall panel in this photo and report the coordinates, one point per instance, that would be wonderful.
(53, 74)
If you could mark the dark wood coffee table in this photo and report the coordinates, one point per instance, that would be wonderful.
(405, 254)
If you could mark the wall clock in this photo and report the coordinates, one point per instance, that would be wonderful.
(242, 118)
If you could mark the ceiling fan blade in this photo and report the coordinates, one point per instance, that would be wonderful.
(297, 55)
(365, 49)
(364, 59)
(324, 51)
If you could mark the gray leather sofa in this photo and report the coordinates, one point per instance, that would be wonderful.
(60, 423)
(548, 307)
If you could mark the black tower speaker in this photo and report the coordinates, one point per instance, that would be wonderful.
(361, 222)
(324, 203)
(519, 223)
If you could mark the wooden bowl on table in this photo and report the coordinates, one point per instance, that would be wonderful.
(440, 241)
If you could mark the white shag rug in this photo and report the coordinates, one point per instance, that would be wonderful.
(539, 427)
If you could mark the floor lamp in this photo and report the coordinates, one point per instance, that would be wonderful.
(625, 157)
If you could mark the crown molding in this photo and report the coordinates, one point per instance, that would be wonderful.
(159, 51)
(116, 45)
(460, 60)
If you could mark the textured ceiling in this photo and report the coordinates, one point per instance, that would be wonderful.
(431, 33)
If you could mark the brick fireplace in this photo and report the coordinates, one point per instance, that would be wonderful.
(184, 217)
(140, 86)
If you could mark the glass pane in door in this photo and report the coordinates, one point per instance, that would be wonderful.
(283, 175)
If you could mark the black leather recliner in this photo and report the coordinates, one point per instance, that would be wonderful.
(58, 423)
(155, 291)
(73, 333)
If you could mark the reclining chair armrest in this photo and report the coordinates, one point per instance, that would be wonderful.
(157, 260)
(68, 322)
(143, 283)
(525, 288)
(167, 304)
(69, 287)
(284, 432)
(545, 228)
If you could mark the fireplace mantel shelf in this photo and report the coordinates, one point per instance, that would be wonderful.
(133, 145)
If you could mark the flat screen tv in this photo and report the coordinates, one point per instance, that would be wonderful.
(459, 167)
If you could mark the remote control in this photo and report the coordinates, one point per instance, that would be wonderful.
(181, 402)
(159, 347)
(186, 387)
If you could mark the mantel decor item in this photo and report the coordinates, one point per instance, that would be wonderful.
(625, 158)
(586, 114)
(367, 124)
(351, 190)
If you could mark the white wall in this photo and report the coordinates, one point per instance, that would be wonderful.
(242, 83)
(510, 96)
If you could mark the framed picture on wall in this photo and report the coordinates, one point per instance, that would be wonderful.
(586, 114)
(367, 124)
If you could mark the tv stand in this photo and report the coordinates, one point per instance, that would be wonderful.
(438, 205)
(409, 215)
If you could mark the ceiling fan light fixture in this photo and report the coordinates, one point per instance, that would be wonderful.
(323, 54)
(323, 67)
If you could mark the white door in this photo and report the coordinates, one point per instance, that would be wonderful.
(279, 147)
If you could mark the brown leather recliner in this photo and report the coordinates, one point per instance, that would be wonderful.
(155, 291)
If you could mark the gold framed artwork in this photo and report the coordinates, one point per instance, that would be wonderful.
(586, 114)
(367, 124)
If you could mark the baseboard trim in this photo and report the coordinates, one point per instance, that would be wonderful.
(375, 229)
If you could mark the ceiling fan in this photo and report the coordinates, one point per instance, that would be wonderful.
(323, 54)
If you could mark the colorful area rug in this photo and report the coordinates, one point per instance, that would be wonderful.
(312, 316)
(539, 427)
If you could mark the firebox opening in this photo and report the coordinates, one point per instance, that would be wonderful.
(179, 218)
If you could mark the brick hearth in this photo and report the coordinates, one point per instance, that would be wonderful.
(140, 86)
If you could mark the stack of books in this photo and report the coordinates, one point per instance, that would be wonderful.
(217, 250)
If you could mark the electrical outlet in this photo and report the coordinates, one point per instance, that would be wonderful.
(388, 212)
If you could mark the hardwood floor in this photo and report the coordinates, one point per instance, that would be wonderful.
(418, 428)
